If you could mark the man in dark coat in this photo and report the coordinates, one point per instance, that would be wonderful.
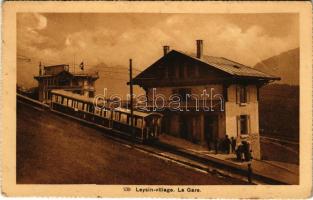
(233, 144)
(227, 144)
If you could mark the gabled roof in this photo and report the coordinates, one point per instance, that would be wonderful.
(230, 67)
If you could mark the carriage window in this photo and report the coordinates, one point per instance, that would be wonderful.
(90, 108)
(108, 114)
(65, 101)
(116, 116)
(69, 103)
(105, 113)
(129, 121)
(80, 105)
(144, 123)
(139, 122)
(124, 118)
(60, 99)
(135, 121)
(98, 111)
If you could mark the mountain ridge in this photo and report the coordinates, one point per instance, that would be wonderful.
(284, 65)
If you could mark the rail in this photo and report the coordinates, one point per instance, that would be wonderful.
(155, 147)
(280, 140)
(32, 102)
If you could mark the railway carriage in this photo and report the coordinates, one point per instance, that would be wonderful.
(147, 126)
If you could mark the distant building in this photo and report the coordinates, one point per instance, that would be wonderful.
(234, 105)
(59, 77)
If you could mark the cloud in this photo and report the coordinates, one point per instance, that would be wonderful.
(41, 21)
(114, 38)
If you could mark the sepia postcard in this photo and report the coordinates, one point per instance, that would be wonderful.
(157, 99)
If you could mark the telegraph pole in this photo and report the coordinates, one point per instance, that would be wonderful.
(131, 98)
(74, 63)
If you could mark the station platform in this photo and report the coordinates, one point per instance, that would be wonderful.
(285, 173)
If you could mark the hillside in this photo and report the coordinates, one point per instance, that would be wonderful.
(285, 65)
(279, 111)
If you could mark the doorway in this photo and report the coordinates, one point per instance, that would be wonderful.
(210, 129)
(183, 124)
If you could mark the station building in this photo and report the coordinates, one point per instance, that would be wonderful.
(232, 88)
(60, 77)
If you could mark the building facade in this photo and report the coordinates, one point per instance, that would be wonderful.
(216, 96)
(60, 77)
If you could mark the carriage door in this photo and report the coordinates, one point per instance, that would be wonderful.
(155, 126)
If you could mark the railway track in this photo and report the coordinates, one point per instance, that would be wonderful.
(162, 151)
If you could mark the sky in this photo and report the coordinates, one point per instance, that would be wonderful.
(111, 39)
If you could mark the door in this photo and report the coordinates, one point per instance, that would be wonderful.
(210, 128)
(183, 127)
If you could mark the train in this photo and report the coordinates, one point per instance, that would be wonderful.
(146, 125)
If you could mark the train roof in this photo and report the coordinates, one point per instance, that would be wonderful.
(73, 95)
(91, 100)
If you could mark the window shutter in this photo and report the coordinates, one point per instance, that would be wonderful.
(248, 124)
(248, 94)
(238, 125)
(237, 94)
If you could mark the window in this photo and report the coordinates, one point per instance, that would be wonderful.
(182, 92)
(103, 113)
(60, 99)
(139, 122)
(108, 114)
(97, 111)
(116, 116)
(90, 108)
(65, 101)
(243, 124)
(54, 97)
(123, 118)
(241, 94)
(80, 105)
(91, 94)
(69, 103)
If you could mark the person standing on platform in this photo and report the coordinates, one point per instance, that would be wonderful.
(233, 144)
(227, 144)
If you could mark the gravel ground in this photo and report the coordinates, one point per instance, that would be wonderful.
(56, 150)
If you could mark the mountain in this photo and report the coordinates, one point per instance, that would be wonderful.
(285, 65)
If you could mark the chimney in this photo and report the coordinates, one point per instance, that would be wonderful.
(166, 49)
(199, 49)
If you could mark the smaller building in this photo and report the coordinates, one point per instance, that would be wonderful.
(60, 77)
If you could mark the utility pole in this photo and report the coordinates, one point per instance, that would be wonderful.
(74, 63)
(131, 98)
